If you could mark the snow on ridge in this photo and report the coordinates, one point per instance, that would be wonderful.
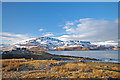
(45, 41)
(23, 41)
(51, 43)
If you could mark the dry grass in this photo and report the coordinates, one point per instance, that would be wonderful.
(22, 68)
(96, 70)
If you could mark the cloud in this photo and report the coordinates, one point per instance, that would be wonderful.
(48, 34)
(21, 36)
(41, 29)
(106, 43)
(91, 30)
(71, 37)
(68, 24)
(9, 38)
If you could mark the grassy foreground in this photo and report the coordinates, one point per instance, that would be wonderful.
(30, 68)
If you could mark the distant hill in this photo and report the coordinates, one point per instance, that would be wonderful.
(47, 43)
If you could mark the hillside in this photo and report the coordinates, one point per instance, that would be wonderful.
(48, 44)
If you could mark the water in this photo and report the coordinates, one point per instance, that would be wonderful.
(105, 56)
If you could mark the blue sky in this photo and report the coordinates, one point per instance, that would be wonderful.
(60, 20)
(60, 1)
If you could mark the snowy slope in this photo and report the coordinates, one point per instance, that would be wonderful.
(47, 42)
(41, 41)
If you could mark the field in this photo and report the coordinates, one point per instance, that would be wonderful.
(30, 68)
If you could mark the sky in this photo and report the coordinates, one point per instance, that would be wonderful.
(60, 0)
(90, 21)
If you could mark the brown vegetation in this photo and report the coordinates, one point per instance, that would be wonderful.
(69, 49)
(30, 68)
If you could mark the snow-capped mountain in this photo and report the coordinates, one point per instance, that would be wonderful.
(41, 41)
(47, 43)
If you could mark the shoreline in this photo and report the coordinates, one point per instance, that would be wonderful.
(105, 60)
(44, 55)
(87, 58)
